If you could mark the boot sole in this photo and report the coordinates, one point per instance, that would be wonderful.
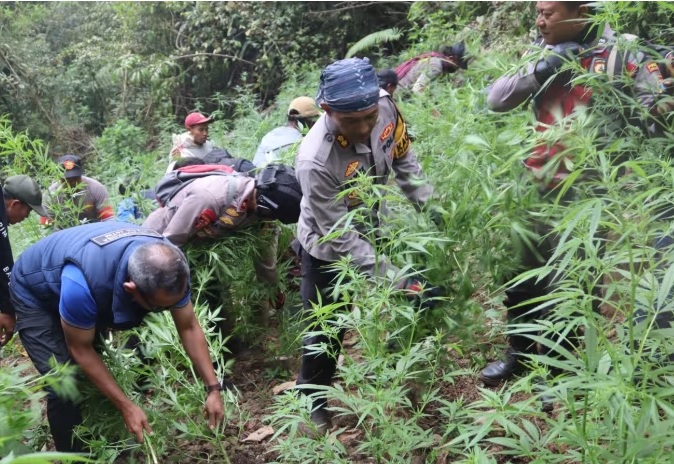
(489, 382)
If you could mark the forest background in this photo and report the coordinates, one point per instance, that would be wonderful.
(111, 81)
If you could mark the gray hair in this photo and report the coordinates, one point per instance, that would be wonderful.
(158, 266)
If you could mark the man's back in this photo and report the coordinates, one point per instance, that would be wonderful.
(208, 207)
(274, 143)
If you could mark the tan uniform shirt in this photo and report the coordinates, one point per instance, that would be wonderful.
(423, 72)
(326, 162)
(209, 207)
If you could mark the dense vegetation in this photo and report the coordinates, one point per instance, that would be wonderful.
(112, 81)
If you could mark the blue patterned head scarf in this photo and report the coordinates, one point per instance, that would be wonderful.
(349, 85)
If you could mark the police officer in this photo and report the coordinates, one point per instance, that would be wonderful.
(78, 282)
(212, 206)
(388, 80)
(18, 196)
(417, 73)
(567, 37)
(361, 132)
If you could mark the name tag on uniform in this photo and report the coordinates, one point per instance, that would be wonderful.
(105, 239)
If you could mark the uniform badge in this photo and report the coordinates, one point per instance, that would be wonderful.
(351, 168)
(342, 141)
(206, 218)
(652, 67)
(113, 236)
(386, 132)
(227, 220)
(232, 212)
(599, 66)
(69, 165)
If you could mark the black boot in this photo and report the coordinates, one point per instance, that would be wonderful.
(321, 420)
(499, 371)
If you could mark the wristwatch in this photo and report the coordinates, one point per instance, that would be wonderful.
(214, 387)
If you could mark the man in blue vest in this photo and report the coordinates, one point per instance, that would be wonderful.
(73, 284)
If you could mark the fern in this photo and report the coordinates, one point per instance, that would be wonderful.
(387, 35)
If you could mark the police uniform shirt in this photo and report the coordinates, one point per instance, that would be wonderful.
(209, 207)
(327, 162)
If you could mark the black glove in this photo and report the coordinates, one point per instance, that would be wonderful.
(551, 64)
(420, 293)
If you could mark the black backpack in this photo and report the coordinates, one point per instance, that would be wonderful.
(222, 157)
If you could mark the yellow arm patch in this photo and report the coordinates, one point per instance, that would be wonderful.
(400, 138)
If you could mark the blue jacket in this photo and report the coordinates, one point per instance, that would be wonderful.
(101, 251)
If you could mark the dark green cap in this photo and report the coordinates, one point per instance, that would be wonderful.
(25, 189)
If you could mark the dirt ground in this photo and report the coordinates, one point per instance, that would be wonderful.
(250, 376)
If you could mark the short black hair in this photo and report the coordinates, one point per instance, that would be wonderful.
(387, 77)
(446, 50)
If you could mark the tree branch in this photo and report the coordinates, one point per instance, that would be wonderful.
(352, 7)
(212, 54)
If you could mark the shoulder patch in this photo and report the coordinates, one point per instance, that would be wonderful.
(599, 66)
(342, 141)
(400, 138)
(206, 218)
(386, 132)
(351, 168)
(105, 239)
(652, 67)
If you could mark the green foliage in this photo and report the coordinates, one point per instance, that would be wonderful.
(406, 388)
(121, 141)
(370, 40)
(20, 407)
(159, 376)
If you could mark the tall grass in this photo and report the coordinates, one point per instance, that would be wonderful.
(406, 390)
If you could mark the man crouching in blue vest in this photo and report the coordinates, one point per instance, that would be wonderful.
(77, 282)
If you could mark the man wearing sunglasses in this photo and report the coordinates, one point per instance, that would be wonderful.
(76, 284)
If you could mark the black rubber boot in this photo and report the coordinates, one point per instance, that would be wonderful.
(500, 371)
(322, 419)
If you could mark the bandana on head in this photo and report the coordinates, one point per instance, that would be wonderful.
(349, 85)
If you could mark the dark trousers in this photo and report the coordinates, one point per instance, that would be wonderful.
(317, 369)
(42, 338)
(520, 309)
(663, 318)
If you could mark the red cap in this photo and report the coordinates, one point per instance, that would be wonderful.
(193, 119)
